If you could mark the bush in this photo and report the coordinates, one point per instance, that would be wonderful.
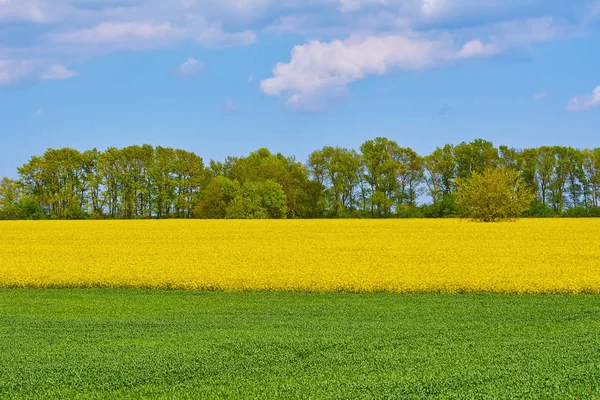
(258, 200)
(577, 212)
(445, 208)
(594, 212)
(540, 210)
(497, 194)
(76, 213)
(404, 211)
(28, 208)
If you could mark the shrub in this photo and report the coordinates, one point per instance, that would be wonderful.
(497, 194)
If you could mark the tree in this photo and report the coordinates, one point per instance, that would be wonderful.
(529, 170)
(217, 197)
(591, 166)
(337, 170)
(382, 180)
(409, 176)
(545, 169)
(262, 165)
(380, 174)
(496, 194)
(476, 156)
(9, 197)
(440, 172)
(258, 200)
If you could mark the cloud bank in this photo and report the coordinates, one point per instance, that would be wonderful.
(338, 42)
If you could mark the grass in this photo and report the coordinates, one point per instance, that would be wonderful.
(119, 343)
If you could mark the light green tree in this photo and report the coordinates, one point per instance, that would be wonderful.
(496, 194)
(258, 200)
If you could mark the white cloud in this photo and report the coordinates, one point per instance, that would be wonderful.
(585, 101)
(116, 32)
(57, 72)
(229, 107)
(22, 10)
(215, 37)
(541, 96)
(38, 112)
(191, 67)
(13, 71)
(318, 64)
(476, 48)
(71, 31)
(319, 72)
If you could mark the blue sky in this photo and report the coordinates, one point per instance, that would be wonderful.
(225, 77)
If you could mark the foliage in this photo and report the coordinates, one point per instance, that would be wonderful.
(540, 210)
(261, 166)
(258, 200)
(496, 194)
(577, 212)
(406, 211)
(445, 207)
(444, 255)
(381, 179)
(216, 197)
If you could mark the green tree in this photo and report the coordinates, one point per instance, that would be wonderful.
(440, 172)
(9, 197)
(380, 174)
(56, 181)
(261, 166)
(217, 197)
(496, 194)
(545, 171)
(591, 167)
(529, 170)
(476, 156)
(258, 200)
(409, 176)
(337, 170)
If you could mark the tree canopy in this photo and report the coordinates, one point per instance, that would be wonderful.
(380, 179)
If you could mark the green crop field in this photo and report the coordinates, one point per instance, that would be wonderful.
(115, 343)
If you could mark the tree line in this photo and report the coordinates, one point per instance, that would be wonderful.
(381, 179)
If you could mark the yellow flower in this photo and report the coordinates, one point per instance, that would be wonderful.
(529, 256)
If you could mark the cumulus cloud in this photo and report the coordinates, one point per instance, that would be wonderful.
(336, 63)
(320, 71)
(475, 48)
(75, 30)
(191, 67)
(541, 96)
(585, 101)
(57, 72)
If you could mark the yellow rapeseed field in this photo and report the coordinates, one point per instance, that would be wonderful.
(528, 256)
